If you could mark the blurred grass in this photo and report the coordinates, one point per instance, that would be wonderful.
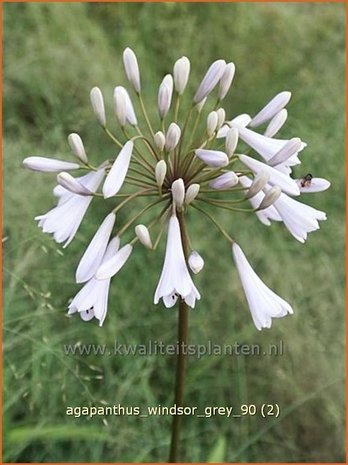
(53, 55)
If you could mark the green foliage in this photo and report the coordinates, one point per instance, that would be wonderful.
(53, 54)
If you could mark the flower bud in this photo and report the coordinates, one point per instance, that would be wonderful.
(97, 102)
(196, 262)
(178, 193)
(191, 193)
(212, 121)
(289, 149)
(132, 69)
(70, 183)
(172, 137)
(276, 123)
(181, 74)
(226, 80)
(160, 172)
(165, 94)
(48, 165)
(221, 118)
(77, 147)
(231, 141)
(120, 106)
(213, 158)
(224, 181)
(211, 78)
(271, 196)
(143, 235)
(259, 182)
(159, 140)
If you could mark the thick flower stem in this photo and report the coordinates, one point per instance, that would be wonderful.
(181, 357)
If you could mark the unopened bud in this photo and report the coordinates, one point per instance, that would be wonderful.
(132, 69)
(211, 78)
(143, 235)
(97, 102)
(196, 262)
(178, 193)
(226, 80)
(259, 182)
(172, 137)
(165, 96)
(160, 172)
(276, 123)
(71, 184)
(289, 149)
(224, 181)
(271, 196)
(221, 118)
(159, 140)
(120, 106)
(231, 141)
(77, 147)
(181, 74)
(201, 104)
(212, 121)
(191, 193)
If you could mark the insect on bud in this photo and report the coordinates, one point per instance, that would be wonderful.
(143, 235)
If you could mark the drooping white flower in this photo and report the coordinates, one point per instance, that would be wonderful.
(265, 215)
(160, 172)
(165, 94)
(175, 279)
(94, 253)
(172, 137)
(132, 69)
(196, 262)
(97, 101)
(181, 74)
(143, 234)
(226, 80)
(77, 147)
(276, 123)
(115, 179)
(314, 185)
(113, 265)
(298, 218)
(48, 165)
(191, 193)
(276, 178)
(71, 184)
(264, 304)
(64, 220)
(92, 300)
(213, 158)
(210, 80)
(178, 192)
(271, 109)
(224, 181)
(267, 147)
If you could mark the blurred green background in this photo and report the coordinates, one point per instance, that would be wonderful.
(53, 55)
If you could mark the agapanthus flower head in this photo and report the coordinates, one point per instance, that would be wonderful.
(162, 173)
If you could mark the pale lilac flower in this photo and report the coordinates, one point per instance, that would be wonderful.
(64, 220)
(115, 179)
(239, 121)
(92, 300)
(175, 279)
(263, 303)
(94, 253)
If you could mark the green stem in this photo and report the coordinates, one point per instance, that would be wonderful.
(181, 356)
